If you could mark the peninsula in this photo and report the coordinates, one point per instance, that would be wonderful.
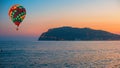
(67, 33)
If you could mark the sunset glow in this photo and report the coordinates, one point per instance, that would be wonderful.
(45, 14)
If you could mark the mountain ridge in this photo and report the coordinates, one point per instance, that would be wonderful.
(67, 33)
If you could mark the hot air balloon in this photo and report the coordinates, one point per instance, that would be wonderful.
(17, 13)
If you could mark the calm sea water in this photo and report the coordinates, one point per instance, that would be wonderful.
(60, 54)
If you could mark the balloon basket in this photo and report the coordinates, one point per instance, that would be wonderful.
(17, 28)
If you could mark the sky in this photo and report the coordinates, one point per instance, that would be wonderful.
(45, 14)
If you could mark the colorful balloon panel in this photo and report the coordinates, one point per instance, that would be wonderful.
(17, 13)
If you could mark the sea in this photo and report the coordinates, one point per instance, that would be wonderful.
(59, 54)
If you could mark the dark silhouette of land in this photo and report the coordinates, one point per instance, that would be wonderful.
(72, 34)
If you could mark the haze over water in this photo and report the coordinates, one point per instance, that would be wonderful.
(60, 54)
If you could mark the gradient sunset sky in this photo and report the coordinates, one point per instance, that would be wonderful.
(45, 14)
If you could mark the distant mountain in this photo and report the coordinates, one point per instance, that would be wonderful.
(71, 34)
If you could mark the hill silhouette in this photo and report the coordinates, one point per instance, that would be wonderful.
(70, 34)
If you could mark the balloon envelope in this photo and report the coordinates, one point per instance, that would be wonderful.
(17, 13)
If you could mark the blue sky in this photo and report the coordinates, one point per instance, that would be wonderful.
(45, 14)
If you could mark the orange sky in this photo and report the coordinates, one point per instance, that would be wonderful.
(42, 15)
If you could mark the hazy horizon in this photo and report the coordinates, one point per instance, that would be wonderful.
(45, 14)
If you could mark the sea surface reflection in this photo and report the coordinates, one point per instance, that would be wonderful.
(60, 54)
